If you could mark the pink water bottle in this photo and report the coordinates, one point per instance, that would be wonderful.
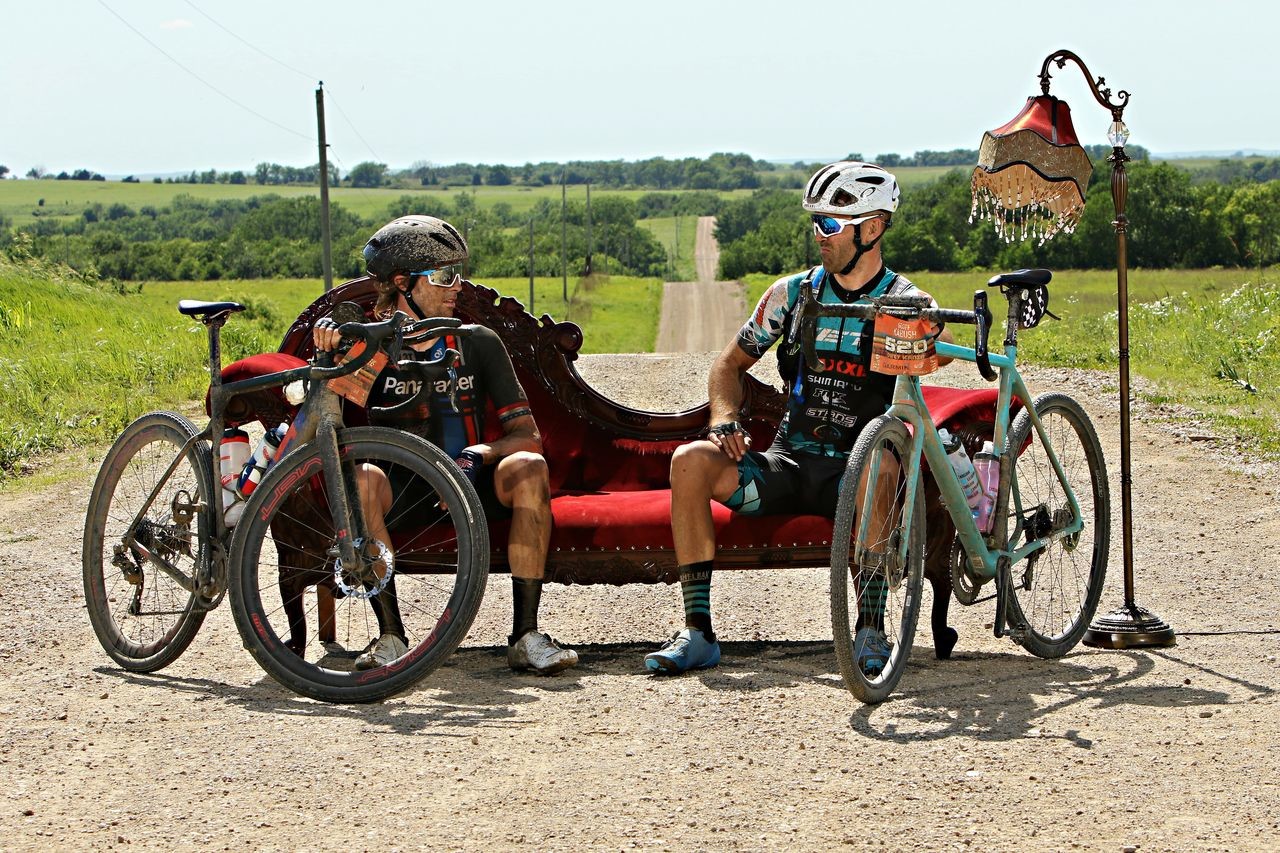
(987, 465)
(233, 453)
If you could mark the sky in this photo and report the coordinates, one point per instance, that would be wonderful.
(160, 86)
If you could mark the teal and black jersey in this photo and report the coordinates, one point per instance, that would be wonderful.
(827, 408)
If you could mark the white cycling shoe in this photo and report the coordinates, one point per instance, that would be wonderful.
(538, 652)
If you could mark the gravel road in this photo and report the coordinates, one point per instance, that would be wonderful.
(1171, 749)
(705, 314)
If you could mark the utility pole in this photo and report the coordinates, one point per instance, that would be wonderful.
(326, 238)
(564, 257)
(466, 264)
(589, 246)
(531, 311)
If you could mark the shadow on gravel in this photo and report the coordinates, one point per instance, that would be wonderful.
(997, 696)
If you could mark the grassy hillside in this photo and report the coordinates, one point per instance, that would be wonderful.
(80, 359)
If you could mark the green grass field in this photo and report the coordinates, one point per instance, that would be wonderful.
(664, 229)
(19, 200)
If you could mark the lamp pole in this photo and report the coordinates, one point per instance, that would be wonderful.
(1130, 625)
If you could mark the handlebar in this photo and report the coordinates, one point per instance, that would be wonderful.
(427, 373)
(907, 307)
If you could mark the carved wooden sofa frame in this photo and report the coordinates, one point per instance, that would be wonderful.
(609, 463)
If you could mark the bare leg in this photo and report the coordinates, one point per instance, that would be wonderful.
(522, 483)
(700, 472)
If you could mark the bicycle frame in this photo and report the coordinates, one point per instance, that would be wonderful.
(319, 420)
(989, 555)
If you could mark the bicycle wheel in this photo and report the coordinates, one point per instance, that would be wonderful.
(145, 616)
(1056, 591)
(875, 597)
(306, 618)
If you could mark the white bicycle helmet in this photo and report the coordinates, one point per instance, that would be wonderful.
(851, 188)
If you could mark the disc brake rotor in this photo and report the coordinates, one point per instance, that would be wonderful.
(362, 581)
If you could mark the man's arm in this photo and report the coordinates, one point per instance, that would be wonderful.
(724, 391)
(520, 433)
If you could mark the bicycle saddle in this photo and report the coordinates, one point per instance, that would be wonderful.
(196, 308)
(1024, 278)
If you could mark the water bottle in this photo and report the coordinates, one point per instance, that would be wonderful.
(987, 466)
(960, 463)
(233, 453)
(263, 455)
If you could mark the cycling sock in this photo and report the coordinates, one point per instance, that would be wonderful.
(695, 583)
(387, 609)
(526, 594)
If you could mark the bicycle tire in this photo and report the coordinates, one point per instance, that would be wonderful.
(898, 581)
(144, 618)
(286, 534)
(1055, 592)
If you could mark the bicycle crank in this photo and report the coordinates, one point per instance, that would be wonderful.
(965, 585)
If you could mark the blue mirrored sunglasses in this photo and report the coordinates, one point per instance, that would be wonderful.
(829, 226)
(450, 282)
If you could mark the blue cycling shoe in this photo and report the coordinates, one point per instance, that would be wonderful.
(872, 650)
(686, 650)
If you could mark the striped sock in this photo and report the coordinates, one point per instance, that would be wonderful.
(875, 593)
(695, 583)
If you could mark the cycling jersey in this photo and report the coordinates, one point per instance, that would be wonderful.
(484, 374)
(826, 409)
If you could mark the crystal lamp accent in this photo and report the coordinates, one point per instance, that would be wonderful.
(1117, 134)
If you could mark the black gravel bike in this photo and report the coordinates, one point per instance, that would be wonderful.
(305, 577)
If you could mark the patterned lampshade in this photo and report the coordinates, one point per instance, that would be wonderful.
(1032, 173)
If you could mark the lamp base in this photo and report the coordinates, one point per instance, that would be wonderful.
(1128, 627)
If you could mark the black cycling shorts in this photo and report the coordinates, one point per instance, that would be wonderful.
(415, 504)
(779, 482)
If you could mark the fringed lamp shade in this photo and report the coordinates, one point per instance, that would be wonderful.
(1032, 173)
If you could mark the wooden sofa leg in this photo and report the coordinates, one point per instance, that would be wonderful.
(324, 604)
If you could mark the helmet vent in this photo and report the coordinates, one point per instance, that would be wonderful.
(871, 179)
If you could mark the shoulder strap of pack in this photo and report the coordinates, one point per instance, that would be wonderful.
(790, 323)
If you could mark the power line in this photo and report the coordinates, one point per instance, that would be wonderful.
(288, 67)
(351, 125)
(205, 82)
(253, 47)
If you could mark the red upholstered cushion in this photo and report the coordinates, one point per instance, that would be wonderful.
(596, 521)
(268, 405)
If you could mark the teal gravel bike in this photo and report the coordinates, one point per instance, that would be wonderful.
(1046, 550)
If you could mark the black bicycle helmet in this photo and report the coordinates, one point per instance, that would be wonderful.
(412, 243)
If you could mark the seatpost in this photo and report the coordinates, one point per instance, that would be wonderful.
(215, 323)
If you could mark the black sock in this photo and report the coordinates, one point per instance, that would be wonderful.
(695, 584)
(526, 594)
(387, 610)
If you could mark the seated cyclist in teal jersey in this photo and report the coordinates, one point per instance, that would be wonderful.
(852, 204)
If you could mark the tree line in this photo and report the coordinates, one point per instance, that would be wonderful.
(270, 236)
(1174, 222)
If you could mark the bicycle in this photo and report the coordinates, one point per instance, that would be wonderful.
(158, 554)
(1048, 542)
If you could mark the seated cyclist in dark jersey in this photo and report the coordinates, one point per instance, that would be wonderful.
(828, 404)
(408, 258)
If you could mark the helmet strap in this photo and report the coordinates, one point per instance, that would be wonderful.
(860, 248)
(407, 293)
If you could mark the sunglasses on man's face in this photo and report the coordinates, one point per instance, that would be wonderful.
(448, 281)
(829, 226)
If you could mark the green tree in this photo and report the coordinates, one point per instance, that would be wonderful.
(368, 174)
